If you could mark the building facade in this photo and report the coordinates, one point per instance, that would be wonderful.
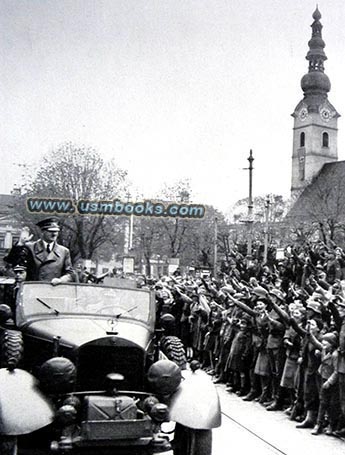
(9, 226)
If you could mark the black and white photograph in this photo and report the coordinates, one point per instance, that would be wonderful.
(172, 227)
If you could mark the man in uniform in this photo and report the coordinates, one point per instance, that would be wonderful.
(44, 259)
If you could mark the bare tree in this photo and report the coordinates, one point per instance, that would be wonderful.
(322, 203)
(78, 173)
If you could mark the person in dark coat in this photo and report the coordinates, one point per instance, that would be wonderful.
(337, 308)
(260, 335)
(311, 359)
(329, 391)
(275, 349)
(333, 268)
(238, 361)
(44, 259)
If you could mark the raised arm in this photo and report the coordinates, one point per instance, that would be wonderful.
(281, 313)
(335, 313)
(315, 341)
(299, 330)
(243, 306)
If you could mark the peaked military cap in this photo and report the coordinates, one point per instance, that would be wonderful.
(19, 268)
(49, 224)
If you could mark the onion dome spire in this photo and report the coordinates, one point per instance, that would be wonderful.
(316, 82)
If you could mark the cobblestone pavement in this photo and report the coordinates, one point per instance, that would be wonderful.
(248, 428)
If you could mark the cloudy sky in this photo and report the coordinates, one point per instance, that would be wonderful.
(170, 88)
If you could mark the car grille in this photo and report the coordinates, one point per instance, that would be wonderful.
(95, 362)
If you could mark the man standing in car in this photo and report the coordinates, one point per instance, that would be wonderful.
(44, 259)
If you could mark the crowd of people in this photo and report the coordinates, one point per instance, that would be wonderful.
(274, 334)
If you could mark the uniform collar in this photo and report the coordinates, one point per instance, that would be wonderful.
(51, 244)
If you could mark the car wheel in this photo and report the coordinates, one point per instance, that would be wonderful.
(173, 348)
(8, 445)
(188, 441)
(11, 349)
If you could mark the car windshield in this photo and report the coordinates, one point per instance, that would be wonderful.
(39, 299)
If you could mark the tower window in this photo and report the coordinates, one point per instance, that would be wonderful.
(302, 140)
(325, 140)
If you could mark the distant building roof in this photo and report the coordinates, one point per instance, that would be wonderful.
(6, 203)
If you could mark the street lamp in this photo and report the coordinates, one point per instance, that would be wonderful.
(249, 220)
(215, 243)
(267, 212)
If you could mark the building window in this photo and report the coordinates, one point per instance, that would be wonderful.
(325, 140)
(302, 140)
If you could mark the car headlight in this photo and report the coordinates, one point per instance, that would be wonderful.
(164, 376)
(58, 375)
(66, 415)
(159, 413)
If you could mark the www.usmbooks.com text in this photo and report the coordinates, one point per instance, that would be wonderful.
(115, 207)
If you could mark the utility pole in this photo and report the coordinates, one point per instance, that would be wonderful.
(215, 244)
(267, 212)
(250, 207)
(130, 242)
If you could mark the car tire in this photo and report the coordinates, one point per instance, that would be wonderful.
(11, 349)
(172, 347)
(188, 441)
(8, 445)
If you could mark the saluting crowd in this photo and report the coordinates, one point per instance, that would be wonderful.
(272, 333)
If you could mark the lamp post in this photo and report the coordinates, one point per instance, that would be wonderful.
(250, 207)
(129, 230)
(215, 244)
(267, 212)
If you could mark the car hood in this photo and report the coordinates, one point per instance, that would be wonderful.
(74, 332)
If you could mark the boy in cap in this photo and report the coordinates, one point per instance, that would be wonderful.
(44, 259)
(329, 392)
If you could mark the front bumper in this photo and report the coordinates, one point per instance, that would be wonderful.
(111, 437)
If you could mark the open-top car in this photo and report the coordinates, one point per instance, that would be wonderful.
(85, 370)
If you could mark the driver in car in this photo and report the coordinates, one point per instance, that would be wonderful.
(44, 259)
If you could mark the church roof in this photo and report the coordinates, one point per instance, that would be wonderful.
(315, 83)
(324, 196)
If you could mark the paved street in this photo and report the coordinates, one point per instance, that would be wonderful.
(247, 428)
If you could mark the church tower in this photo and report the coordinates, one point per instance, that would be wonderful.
(315, 118)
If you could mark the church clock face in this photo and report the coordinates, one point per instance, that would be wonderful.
(325, 114)
(303, 113)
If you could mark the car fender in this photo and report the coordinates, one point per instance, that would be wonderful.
(196, 404)
(23, 408)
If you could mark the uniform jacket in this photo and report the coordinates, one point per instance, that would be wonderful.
(340, 325)
(42, 266)
(329, 367)
(276, 332)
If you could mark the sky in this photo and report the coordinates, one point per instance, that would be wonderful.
(171, 89)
